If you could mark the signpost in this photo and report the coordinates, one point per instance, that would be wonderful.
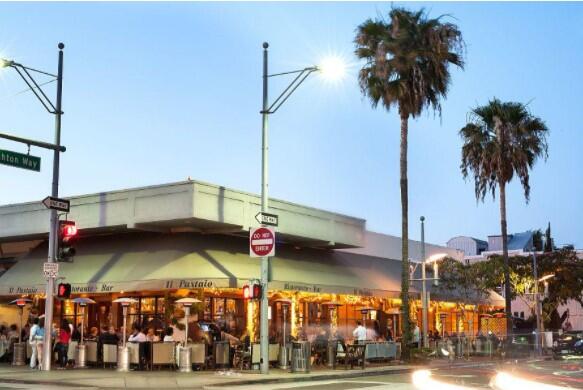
(262, 242)
(51, 270)
(19, 160)
(267, 219)
(57, 204)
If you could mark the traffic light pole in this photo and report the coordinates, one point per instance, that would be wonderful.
(52, 255)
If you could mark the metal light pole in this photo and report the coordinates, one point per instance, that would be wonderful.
(25, 74)
(537, 307)
(264, 306)
(52, 255)
(266, 110)
(424, 287)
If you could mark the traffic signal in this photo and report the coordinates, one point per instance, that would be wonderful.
(67, 232)
(252, 291)
(64, 291)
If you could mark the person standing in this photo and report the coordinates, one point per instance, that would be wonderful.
(416, 341)
(39, 342)
(32, 342)
(359, 333)
(63, 340)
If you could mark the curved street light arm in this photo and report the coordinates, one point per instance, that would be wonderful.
(24, 73)
(296, 82)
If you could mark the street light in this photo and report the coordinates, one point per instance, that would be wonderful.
(329, 68)
(55, 109)
(424, 299)
(537, 305)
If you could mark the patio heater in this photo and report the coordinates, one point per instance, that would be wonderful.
(332, 343)
(184, 353)
(331, 305)
(123, 353)
(284, 350)
(81, 361)
(19, 355)
(365, 311)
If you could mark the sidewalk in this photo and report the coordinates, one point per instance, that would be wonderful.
(165, 379)
(111, 379)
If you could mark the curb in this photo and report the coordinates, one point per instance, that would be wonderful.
(43, 383)
(307, 378)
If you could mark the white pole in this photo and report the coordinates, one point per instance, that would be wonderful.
(424, 302)
(284, 307)
(82, 321)
(186, 315)
(125, 314)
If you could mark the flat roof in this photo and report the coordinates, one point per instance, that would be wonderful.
(187, 206)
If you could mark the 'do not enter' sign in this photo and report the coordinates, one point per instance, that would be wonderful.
(261, 242)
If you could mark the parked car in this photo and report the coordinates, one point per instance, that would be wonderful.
(568, 344)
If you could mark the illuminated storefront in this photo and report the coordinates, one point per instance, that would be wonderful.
(158, 244)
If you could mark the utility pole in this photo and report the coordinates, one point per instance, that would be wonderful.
(264, 322)
(52, 255)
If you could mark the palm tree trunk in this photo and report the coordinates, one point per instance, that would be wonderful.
(405, 238)
(503, 224)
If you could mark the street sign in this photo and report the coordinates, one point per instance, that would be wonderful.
(51, 270)
(261, 242)
(267, 219)
(19, 160)
(57, 204)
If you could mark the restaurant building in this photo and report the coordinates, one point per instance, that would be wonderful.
(161, 243)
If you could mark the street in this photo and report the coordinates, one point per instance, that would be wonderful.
(556, 374)
(547, 375)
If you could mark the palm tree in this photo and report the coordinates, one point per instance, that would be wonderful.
(406, 65)
(502, 139)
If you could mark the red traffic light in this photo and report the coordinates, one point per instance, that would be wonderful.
(252, 291)
(256, 291)
(64, 290)
(68, 229)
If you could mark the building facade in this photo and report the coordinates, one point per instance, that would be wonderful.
(161, 243)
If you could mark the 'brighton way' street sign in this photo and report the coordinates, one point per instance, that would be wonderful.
(19, 160)
(267, 219)
(57, 204)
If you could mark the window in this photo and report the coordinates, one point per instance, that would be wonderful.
(148, 311)
(228, 312)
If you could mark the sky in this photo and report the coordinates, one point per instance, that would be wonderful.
(159, 92)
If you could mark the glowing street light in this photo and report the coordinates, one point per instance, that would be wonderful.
(5, 63)
(331, 69)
